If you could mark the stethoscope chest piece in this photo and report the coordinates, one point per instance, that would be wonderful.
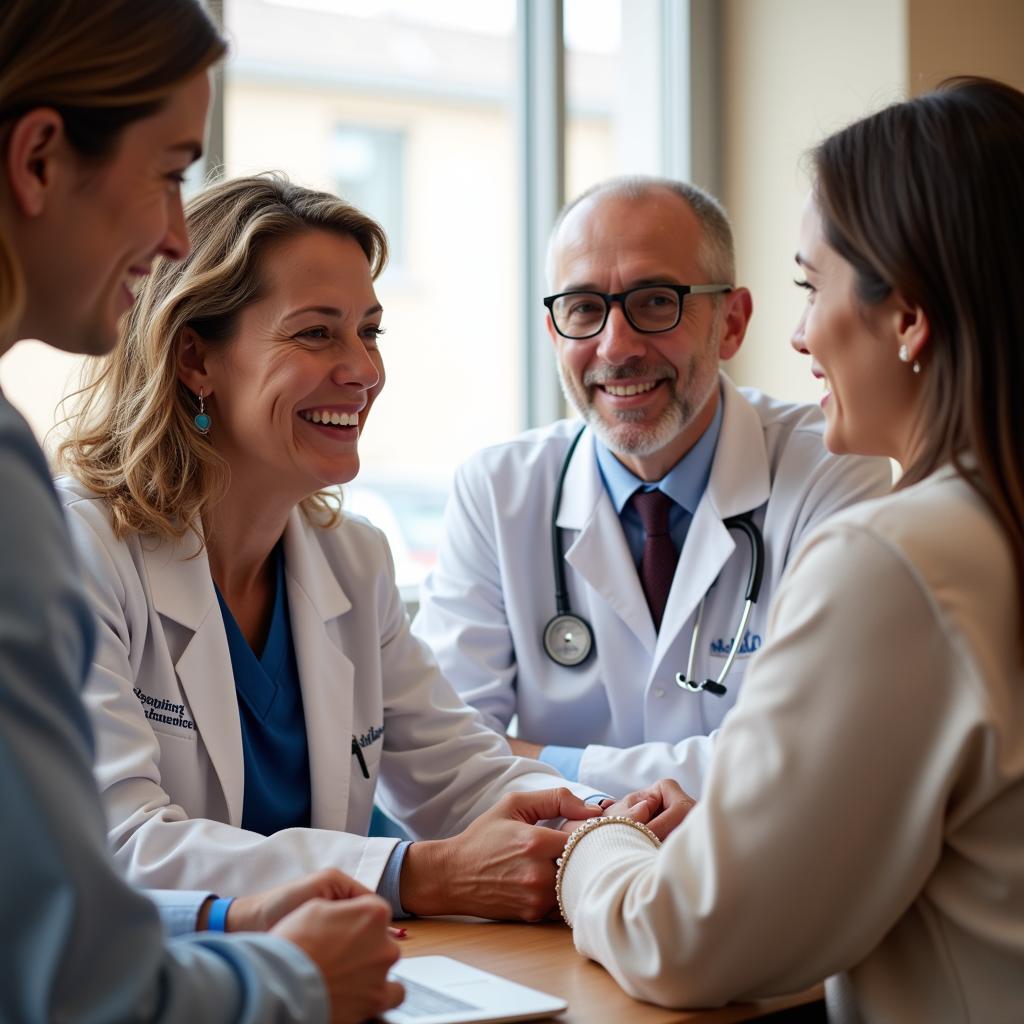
(568, 640)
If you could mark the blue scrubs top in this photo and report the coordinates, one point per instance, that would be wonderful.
(274, 744)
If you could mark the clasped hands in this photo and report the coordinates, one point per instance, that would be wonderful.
(666, 803)
(503, 864)
(660, 807)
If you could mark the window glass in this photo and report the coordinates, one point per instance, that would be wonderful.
(367, 168)
(405, 109)
(594, 92)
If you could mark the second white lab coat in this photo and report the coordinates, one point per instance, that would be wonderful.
(169, 748)
(485, 606)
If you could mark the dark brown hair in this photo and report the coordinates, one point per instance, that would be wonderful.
(926, 198)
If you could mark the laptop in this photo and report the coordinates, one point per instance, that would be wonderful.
(440, 990)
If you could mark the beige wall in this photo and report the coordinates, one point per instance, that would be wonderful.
(793, 71)
(954, 37)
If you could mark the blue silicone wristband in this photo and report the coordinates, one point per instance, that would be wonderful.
(218, 918)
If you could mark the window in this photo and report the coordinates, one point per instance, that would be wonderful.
(598, 112)
(422, 115)
(367, 170)
(407, 110)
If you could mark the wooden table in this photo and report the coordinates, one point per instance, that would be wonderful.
(543, 956)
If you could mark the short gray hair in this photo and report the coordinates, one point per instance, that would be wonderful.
(716, 256)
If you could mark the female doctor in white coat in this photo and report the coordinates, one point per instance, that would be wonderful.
(254, 675)
(863, 818)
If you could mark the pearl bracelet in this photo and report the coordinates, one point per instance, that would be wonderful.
(573, 841)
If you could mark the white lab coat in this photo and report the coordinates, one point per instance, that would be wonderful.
(864, 813)
(484, 607)
(173, 783)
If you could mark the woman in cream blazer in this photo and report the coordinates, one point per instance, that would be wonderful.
(863, 817)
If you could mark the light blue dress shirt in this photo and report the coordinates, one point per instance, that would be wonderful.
(685, 484)
(79, 943)
(179, 909)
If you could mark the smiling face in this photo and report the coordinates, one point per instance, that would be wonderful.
(289, 394)
(103, 224)
(648, 397)
(869, 393)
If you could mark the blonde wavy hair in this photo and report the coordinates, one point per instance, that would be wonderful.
(101, 64)
(131, 438)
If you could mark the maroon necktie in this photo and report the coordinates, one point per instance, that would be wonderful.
(658, 563)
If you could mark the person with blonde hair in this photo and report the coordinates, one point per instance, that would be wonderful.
(255, 681)
(102, 109)
(863, 818)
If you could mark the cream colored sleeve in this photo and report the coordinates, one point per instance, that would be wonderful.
(822, 816)
(609, 848)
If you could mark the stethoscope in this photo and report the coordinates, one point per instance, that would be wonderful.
(568, 637)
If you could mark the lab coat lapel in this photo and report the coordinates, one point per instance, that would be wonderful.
(740, 481)
(600, 554)
(315, 600)
(182, 590)
(741, 478)
(707, 548)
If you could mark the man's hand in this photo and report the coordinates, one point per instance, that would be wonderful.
(348, 941)
(521, 748)
(660, 807)
(502, 866)
(262, 911)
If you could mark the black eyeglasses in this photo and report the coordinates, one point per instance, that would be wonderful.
(650, 309)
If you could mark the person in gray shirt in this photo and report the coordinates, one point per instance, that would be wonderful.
(102, 109)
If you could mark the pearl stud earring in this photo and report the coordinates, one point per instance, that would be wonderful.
(904, 356)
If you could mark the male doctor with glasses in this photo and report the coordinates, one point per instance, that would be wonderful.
(603, 683)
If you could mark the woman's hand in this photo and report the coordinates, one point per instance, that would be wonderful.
(262, 911)
(660, 807)
(348, 941)
(502, 866)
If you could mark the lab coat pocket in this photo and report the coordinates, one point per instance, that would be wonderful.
(181, 734)
(366, 753)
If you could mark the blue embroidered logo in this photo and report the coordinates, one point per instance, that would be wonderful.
(751, 644)
(368, 738)
(158, 709)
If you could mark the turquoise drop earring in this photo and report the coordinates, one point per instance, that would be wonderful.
(202, 419)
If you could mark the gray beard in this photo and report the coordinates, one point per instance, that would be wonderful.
(645, 440)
